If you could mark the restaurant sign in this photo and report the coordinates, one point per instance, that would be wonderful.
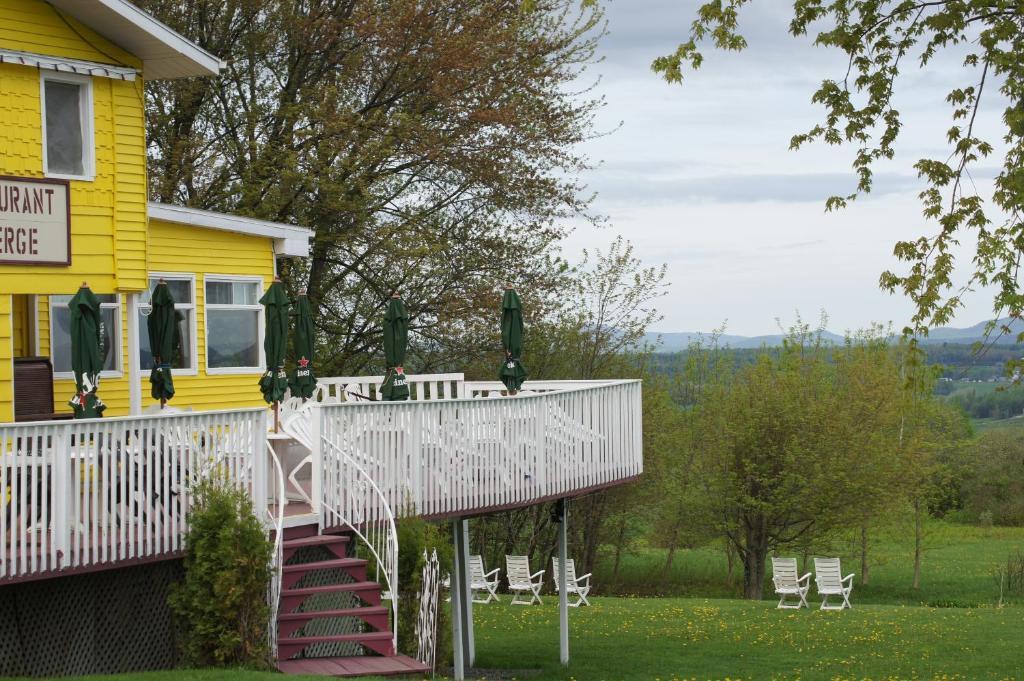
(35, 221)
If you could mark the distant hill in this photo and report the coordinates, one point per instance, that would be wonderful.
(676, 341)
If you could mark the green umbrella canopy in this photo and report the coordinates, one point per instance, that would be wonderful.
(164, 341)
(86, 352)
(302, 382)
(512, 372)
(396, 338)
(274, 382)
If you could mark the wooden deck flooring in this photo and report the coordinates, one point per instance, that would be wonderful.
(354, 666)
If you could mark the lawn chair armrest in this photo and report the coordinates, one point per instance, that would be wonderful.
(537, 574)
(492, 572)
(849, 577)
(804, 578)
(585, 578)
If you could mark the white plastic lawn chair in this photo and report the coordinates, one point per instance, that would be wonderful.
(482, 581)
(826, 574)
(788, 584)
(521, 581)
(580, 586)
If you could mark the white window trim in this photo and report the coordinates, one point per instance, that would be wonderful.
(118, 358)
(178, 276)
(88, 133)
(215, 371)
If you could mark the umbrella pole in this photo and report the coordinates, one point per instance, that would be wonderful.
(277, 416)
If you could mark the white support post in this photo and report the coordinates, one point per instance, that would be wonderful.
(457, 585)
(132, 361)
(62, 518)
(259, 463)
(469, 640)
(563, 592)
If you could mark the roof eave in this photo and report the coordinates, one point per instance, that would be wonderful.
(123, 23)
(289, 241)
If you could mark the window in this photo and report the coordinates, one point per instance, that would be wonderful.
(182, 288)
(60, 335)
(67, 126)
(233, 325)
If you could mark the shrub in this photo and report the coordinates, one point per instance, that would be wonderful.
(221, 606)
(415, 536)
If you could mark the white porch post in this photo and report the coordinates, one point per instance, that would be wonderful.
(462, 597)
(259, 463)
(563, 595)
(132, 361)
(469, 640)
(457, 586)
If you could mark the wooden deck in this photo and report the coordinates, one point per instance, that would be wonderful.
(355, 666)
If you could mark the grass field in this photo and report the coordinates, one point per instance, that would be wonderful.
(957, 568)
(892, 632)
(675, 638)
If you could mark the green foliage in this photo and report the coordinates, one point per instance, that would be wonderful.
(989, 401)
(415, 536)
(880, 40)
(994, 480)
(221, 606)
(435, 152)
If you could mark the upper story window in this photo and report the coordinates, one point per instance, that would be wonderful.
(68, 145)
(234, 329)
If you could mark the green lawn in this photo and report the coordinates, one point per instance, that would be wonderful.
(641, 638)
(893, 632)
(676, 638)
(957, 568)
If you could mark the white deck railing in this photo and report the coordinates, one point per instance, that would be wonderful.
(448, 457)
(81, 493)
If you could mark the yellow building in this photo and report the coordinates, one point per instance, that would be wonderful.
(73, 209)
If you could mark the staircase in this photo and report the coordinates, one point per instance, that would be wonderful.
(331, 614)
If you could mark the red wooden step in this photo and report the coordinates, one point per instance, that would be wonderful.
(354, 666)
(335, 543)
(290, 622)
(368, 591)
(377, 641)
(291, 574)
(300, 531)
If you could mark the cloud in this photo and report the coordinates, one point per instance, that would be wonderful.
(737, 188)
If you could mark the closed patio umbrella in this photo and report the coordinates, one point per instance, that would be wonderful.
(396, 338)
(274, 382)
(164, 342)
(86, 352)
(512, 373)
(302, 382)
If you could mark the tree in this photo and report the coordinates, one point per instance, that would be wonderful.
(866, 427)
(432, 147)
(994, 485)
(796, 446)
(879, 38)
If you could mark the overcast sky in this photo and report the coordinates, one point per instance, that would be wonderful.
(700, 177)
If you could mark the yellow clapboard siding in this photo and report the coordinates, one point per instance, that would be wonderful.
(20, 326)
(36, 26)
(200, 253)
(112, 206)
(6, 360)
(206, 252)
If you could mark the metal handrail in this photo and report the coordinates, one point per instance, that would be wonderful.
(277, 558)
(378, 534)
